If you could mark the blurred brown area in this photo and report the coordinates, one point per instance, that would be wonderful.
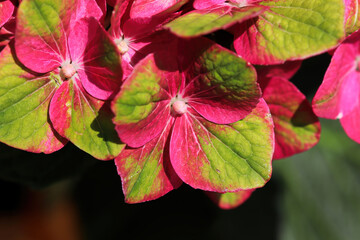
(46, 214)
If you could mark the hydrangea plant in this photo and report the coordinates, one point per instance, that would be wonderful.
(142, 82)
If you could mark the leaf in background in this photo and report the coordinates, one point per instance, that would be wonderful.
(283, 32)
(85, 121)
(222, 158)
(297, 129)
(321, 193)
(204, 21)
(229, 200)
(24, 103)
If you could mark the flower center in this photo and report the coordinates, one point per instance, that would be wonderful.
(357, 63)
(239, 3)
(67, 71)
(123, 45)
(179, 107)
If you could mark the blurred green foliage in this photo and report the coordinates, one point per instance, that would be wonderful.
(321, 189)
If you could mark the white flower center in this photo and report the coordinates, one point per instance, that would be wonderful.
(238, 3)
(179, 107)
(67, 71)
(357, 63)
(123, 45)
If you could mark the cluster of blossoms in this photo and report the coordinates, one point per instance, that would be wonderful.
(142, 83)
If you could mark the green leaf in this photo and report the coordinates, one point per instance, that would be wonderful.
(200, 22)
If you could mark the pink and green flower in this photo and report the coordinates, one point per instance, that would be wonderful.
(56, 78)
(199, 120)
(338, 95)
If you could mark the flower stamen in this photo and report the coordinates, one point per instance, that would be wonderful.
(67, 70)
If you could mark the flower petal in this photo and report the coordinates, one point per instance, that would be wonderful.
(220, 86)
(24, 103)
(297, 129)
(230, 200)
(6, 11)
(84, 120)
(352, 16)
(41, 28)
(147, 9)
(142, 107)
(338, 95)
(223, 158)
(350, 123)
(146, 172)
(283, 33)
(97, 57)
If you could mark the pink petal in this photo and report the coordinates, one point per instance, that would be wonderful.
(112, 2)
(149, 165)
(139, 133)
(286, 70)
(84, 120)
(153, 114)
(200, 161)
(297, 129)
(147, 9)
(350, 123)
(137, 28)
(221, 96)
(202, 4)
(97, 59)
(352, 16)
(49, 48)
(229, 200)
(116, 19)
(154, 43)
(58, 109)
(87, 9)
(246, 39)
(102, 5)
(338, 95)
(6, 11)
